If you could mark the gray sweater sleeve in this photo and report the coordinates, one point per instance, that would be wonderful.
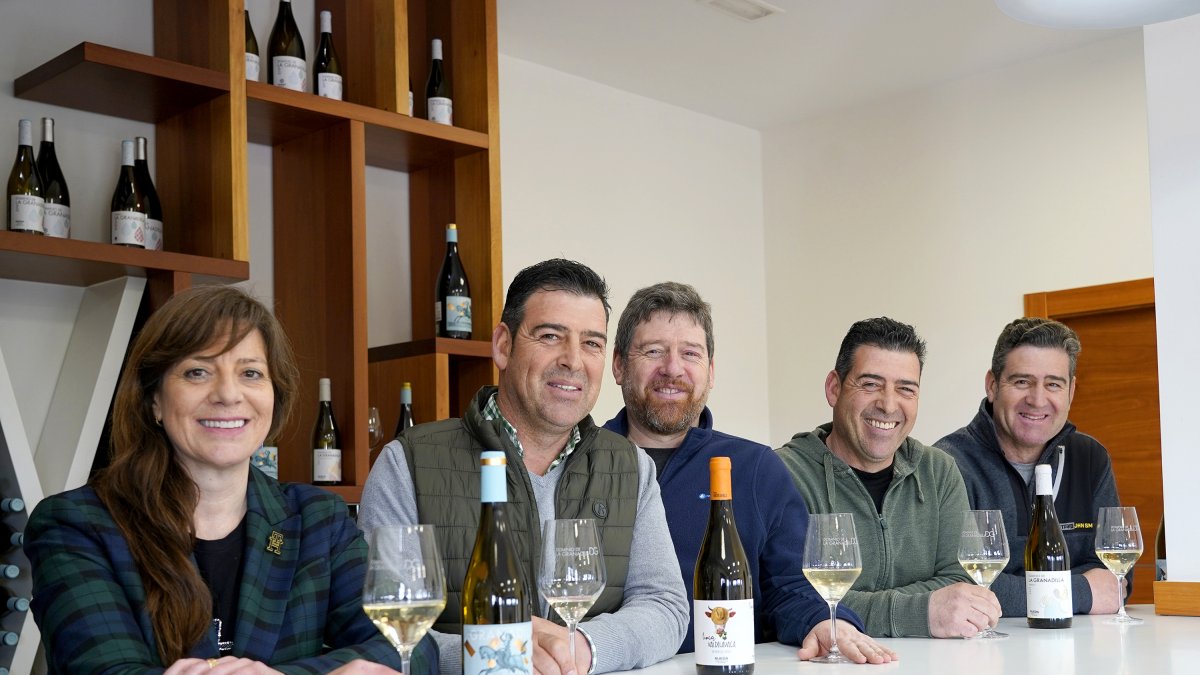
(653, 618)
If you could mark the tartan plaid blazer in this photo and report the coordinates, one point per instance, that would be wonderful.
(299, 611)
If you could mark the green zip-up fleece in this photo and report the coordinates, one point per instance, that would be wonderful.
(911, 549)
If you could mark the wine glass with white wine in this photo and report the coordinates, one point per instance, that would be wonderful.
(831, 564)
(1119, 545)
(405, 587)
(572, 572)
(983, 553)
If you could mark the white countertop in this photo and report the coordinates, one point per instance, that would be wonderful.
(1163, 644)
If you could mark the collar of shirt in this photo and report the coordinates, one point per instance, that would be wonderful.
(491, 411)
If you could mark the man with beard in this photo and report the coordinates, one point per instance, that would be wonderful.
(907, 498)
(663, 362)
(549, 348)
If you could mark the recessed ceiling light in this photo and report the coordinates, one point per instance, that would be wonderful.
(746, 10)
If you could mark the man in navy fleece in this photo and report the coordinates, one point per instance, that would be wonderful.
(663, 360)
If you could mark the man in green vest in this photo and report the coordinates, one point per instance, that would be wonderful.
(549, 349)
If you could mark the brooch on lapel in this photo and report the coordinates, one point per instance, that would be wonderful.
(275, 543)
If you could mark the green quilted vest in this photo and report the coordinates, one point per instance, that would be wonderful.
(599, 481)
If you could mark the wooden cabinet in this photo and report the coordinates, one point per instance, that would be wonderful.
(205, 112)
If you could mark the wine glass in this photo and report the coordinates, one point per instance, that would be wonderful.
(405, 587)
(572, 571)
(1119, 545)
(374, 426)
(983, 553)
(831, 563)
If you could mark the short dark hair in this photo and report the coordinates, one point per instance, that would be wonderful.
(671, 297)
(556, 274)
(1035, 332)
(880, 332)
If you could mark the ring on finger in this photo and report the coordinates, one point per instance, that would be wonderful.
(212, 663)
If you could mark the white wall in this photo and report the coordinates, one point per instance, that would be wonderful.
(641, 192)
(941, 209)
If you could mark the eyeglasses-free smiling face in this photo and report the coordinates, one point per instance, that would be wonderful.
(216, 408)
(1031, 399)
(666, 378)
(875, 408)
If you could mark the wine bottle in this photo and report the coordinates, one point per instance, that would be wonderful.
(722, 588)
(439, 106)
(452, 310)
(406, 418)
(327, 452)
(285, 49)
(327, 70)
(56, 221)
(1047, 561)
(26, 206)
(252, 53)
(154, 216)
(128, 203)
(497, 599)
(12, 505)
(1160, 550)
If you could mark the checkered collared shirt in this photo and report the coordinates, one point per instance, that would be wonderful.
(491, 411)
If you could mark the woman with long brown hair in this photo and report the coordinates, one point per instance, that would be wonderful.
(181, 556)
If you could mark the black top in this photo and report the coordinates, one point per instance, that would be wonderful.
(220, 563)
(660, 457)
(877, 483)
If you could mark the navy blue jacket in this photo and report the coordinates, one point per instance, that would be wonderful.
(771, 519)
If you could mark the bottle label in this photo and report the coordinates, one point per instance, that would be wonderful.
(129, 227)
(437, 312)
(290, 72)
(57, 220)
(1160, 569)
(410, 103)
(493, 648)
(441, 110)
(26, 212)
(327, 465)
(724, 631)
(458, 313)
(252, 67)
(1048, 595)
(153, 234)
(329, 85)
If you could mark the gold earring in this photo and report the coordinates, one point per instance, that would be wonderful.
(158, 421)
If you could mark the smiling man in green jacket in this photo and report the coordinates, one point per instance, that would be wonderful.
(908, 499)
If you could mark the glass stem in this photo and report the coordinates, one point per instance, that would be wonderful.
(405, 660)
(1121, 597)
(833, 648)
(570, 641)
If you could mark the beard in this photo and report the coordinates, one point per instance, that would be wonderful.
(664, 417)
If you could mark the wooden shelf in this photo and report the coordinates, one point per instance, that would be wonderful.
(351, 494)
(393, 141)
(120, 83)
(74, 262)
(470, 348)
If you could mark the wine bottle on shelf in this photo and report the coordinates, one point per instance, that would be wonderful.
(722, 588)
(128, 203)
(439, 106)
(285, 49)
(154, 216)
(26, 205)
(406, 418)
(1160, 550)
(1047, 561)
(327, 446)
(497, 609)
(252, 53)
(452, 309)
(12, 505)
(56, 220)
(327, 70)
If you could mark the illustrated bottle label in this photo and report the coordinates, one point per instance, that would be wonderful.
(129, 227)
(493, 648)
(441, 110)
(1048, 595)
(458, 313)
(27, 212)
(724, 632)
(252, 67)
(57, 220)
(329, 85)
(153, 235)
(290, 72)
(327, 465)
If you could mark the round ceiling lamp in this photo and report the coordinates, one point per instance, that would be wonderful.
(1097, 14)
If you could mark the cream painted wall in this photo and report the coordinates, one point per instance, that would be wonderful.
(942, 208)
(642, 192)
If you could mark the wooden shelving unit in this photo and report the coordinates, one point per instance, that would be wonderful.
(205, 112)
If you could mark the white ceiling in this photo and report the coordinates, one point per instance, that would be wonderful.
(816, 57)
